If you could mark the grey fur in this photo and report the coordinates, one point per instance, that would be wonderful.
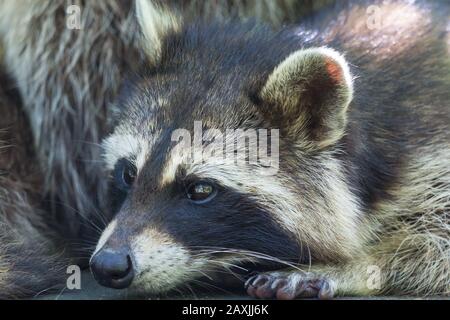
(29, 260)
(374, 195)
(67, 80)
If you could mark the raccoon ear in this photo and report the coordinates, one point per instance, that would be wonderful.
(309, 93)
(156, 22)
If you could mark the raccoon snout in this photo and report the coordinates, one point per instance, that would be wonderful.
(113, 269)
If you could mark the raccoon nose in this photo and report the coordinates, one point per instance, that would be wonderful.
(112, 269)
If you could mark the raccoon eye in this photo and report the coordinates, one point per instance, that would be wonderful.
(124, 174)
(201, 192)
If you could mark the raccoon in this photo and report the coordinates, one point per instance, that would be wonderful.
(361, 191)
(64, 80)
(25, 237)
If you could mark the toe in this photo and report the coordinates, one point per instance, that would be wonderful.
(326, 290)
(285, 293)
(289, 287)
(254, 283)
(265, 291)
(260, 287)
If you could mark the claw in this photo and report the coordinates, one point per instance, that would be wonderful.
(289, 285)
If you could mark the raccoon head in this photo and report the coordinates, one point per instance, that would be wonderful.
(185, 212)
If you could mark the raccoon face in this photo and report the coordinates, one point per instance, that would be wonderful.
(185, 212)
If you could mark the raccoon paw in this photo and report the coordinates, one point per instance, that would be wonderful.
(289, 285)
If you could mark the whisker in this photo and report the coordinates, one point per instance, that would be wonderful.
(80, 214)
(245, 253)
(45, 290)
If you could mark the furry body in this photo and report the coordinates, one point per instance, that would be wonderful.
(364, 163)
(26, 248)
(385, 201)
(66, 80)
